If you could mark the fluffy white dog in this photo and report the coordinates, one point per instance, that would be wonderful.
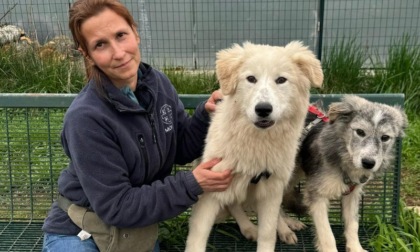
(255, 131)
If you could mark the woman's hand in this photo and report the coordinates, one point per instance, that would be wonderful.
(211, 181)
(215, 97)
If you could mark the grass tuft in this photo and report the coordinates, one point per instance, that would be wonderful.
(26, 70)
(342, 64)
(404, 238)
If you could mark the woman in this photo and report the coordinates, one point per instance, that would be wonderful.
(123, 133)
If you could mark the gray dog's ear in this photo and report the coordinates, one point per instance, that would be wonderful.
(228, 62)
(401, 118)
(344, 109)
(307, 62)
(340, 110)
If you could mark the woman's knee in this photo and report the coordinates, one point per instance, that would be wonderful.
(67, 243)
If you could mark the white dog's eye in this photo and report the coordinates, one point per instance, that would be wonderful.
(251, 79)
(281, 80)
(360, 132)
(385, 138)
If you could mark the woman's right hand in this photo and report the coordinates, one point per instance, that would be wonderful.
(211, 181)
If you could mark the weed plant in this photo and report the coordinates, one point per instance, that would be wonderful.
(23, 69)
(199, 82)
(342, 64)
(403, 238)
(401, 72)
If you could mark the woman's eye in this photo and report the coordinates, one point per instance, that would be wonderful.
(360, 132)
(99, 44)
(385, 138)
(251, 79)
(281, 80)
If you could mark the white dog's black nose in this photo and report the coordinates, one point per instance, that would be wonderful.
(263, 109)
(368, 163)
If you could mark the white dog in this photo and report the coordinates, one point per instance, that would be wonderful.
(255, 131)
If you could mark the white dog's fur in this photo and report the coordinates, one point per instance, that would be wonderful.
(255, 129)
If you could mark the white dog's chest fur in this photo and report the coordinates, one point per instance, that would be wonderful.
(277, 157)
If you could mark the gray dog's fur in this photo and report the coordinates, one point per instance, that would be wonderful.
(340, 157)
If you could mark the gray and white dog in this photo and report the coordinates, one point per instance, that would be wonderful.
(340, 156)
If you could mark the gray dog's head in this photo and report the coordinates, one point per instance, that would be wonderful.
(369, 130)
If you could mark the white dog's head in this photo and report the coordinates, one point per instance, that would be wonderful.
(268, 82)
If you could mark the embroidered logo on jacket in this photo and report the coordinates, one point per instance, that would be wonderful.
(166, 116)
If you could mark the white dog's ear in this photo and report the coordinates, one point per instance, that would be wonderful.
(228, 62)
(307, 62)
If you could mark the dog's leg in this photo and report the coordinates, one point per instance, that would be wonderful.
(248, 229)
(268, 210)
(350, 206)
(285, 227)
(202, 218)
(318, 209)
(293, 223)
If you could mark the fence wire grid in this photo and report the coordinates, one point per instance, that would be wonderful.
(188, 33)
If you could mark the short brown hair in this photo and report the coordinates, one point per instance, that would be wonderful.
(82, 10)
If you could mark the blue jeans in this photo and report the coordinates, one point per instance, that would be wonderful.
(72, 243)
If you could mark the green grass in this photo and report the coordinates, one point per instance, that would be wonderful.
(401, 72)
(410, 186)
(403, 238)
(199, 82)
(342, 64)
(24, 70)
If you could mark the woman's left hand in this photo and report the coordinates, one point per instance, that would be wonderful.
(215, 97)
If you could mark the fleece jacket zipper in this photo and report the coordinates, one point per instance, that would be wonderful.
(154, 135)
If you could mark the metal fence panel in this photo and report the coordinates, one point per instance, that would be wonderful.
(188, 33)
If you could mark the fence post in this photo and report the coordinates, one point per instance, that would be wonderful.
(320, 27)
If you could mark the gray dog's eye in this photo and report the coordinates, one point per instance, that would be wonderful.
(251, 79)
(360, 132)
(385, 138)
(281, 80)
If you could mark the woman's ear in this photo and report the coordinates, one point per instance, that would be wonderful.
(82, 52)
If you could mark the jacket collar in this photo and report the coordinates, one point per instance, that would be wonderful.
(144, 89)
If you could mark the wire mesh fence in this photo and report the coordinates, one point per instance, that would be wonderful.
(188, 33)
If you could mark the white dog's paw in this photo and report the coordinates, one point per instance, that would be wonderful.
(294, 224)
(288, 237)
(355, 248)
(327, 249)
(250, 232)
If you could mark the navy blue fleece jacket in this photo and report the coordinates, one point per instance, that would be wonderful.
(121, 154)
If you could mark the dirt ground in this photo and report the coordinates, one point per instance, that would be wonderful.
(411, 195)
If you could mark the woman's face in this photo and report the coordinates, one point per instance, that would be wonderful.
(112, 46)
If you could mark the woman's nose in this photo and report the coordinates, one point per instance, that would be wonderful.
(118, 51)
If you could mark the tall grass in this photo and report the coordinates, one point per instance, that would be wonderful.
(342, 64)
(401, 72)
(24, 69)
(197, 82)
(403, 238)
(344, 72)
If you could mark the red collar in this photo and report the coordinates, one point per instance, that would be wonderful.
(314, 110)
(351, 186)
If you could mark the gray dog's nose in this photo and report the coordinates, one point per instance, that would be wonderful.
(263, 109)
(368, 163)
